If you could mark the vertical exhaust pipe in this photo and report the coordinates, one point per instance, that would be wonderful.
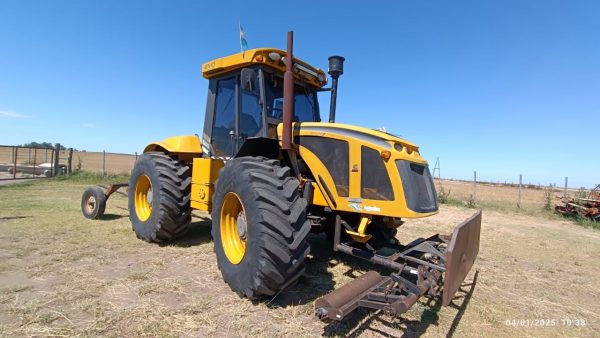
(336, 68)
(288, 94)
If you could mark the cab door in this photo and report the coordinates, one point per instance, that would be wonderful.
(236, 113)
(250, 119)
(224, 128)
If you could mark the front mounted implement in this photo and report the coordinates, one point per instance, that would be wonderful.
(419, 269)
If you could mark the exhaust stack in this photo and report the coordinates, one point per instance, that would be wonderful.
(288, 94)
(336, 68)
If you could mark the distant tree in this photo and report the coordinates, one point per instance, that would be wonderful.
(41, 145)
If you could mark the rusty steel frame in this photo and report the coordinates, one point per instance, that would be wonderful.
(586, 207)
(451, 256)
(460, 255)
(112, 188)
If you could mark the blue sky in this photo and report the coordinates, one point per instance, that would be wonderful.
(501, 87)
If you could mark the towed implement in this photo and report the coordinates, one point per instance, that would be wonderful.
(588, 207)
(270, 172)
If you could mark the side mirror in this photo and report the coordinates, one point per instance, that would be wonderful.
(248, 79)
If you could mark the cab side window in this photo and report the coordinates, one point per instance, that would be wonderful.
(251, 112)
(224, 127)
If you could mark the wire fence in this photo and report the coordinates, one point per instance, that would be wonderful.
(475, 192)
(30, 162)
(104, 162)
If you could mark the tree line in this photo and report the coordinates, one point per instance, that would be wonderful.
(47, 145)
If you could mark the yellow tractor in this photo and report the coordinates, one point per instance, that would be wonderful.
(270, 172)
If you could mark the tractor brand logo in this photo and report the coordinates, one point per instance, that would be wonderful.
(355, 206)
(358, 207)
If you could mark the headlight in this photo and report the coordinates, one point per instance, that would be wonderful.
(275, 57)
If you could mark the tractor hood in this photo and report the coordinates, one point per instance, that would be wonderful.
(367, 171)
(360, 134)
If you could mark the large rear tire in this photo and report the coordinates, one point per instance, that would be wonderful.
(259, 226)
(159, 197)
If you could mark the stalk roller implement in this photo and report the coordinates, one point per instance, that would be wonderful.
(418, 268)
(270, 172)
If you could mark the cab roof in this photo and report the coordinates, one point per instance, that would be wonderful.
(302, 70)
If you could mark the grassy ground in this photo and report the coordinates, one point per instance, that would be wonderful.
(61, 274)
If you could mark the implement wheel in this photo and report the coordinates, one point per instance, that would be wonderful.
(159, 197)
(259, 226)
(93, 203)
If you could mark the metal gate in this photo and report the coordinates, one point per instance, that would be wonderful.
(30, 162)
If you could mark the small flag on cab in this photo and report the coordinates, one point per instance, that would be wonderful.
(243, 42)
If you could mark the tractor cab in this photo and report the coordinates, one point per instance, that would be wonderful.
(245, 98)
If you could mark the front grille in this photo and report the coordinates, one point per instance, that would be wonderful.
(418, 186)
(374, 178)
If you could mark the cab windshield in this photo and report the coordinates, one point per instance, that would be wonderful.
(306, 108)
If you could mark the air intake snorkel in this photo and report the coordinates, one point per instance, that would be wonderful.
(336, 68)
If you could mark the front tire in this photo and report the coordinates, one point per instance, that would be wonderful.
(259, 226)
(159, 197)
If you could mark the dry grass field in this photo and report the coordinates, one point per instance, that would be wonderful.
(63, 275)
(493, 194)
(501, 196)
(92, 161)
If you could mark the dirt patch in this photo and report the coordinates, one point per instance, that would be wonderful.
(61, 274)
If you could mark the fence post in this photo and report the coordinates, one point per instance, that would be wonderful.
(566, 184)
(103, 163)
(70, 162)
(474, 186)
(15, 163)
(57, 159)
(51, 161)
(520, 182)
(34, 160)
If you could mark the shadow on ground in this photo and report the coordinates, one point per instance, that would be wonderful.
(8, 218)
(317, 281)
(112, 217)
(198, 233)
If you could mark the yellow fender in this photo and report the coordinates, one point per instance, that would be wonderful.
(189, 144)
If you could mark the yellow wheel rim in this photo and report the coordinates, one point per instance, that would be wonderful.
(143, 198)
(234, 228)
